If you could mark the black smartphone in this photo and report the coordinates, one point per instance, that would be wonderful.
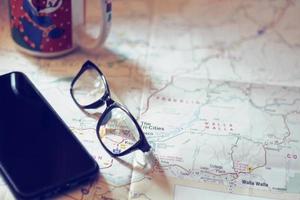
(39, 155)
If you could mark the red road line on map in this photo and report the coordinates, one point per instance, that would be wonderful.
(265, 155)
(224, 174)
(282, 12)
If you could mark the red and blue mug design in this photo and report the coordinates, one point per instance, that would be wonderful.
(43, 26)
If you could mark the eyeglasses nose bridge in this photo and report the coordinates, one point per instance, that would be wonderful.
(109, 101)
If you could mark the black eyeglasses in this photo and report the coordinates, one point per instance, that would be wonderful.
(117, 129)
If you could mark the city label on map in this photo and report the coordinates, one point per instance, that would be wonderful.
(256, 183)
(149, 128)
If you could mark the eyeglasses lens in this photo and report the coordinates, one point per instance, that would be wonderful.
(118, 132)
(89, 87)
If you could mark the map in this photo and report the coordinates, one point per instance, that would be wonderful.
(215, 86)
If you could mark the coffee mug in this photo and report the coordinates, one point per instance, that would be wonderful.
(48, 28)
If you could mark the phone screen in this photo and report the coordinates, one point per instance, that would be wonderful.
(37, 150)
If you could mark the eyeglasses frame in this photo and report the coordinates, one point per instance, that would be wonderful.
(142, 144)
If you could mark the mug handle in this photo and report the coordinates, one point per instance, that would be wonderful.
(87, 42)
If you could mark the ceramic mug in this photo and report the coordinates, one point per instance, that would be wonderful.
(48, 28)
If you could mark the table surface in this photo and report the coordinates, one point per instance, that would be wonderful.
(214, 84)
